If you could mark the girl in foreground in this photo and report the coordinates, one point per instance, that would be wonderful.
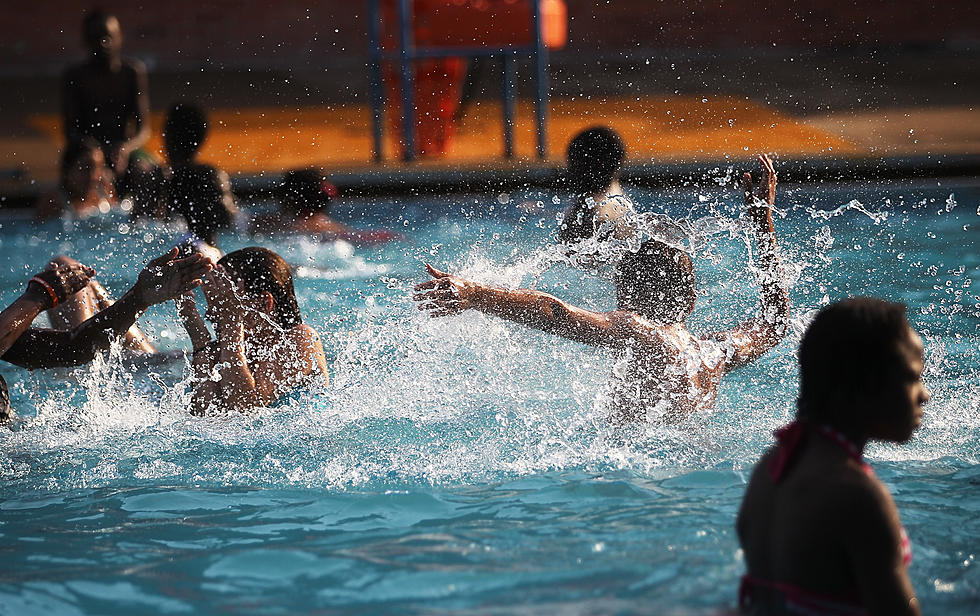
(821, 533)
(263, 349)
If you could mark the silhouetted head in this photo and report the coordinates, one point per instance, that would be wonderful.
(265, 279)
(82, 166)
(657, 281)
(305, 192)
(860, 370)
(102, 35)
(595, 157)
(202, 195)
(184, 132)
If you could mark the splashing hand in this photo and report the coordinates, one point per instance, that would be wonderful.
(444, 295)
(59, 281)
(168, 277)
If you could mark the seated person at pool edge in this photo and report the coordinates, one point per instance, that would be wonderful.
(263, 349)
(820, 532)
(670, 370)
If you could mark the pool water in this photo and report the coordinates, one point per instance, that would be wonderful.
(465, 465)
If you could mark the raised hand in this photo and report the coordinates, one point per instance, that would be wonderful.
(444, 295)
(168, 277)
(59, 281)
(758, 196)
(225, 308)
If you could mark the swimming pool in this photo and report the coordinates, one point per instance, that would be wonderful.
(465, 465)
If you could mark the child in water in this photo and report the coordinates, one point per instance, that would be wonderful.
(84, 187)
(262, 349)
(671, 372)
(821, 533)
(305, 197)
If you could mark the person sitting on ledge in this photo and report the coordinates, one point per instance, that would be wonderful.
(671, 373)
(263, 349)
(820, 532)
(164, 278)
(595, 158)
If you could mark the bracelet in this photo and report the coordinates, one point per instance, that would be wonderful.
(47, 287)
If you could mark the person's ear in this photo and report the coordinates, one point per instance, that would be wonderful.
(268, 302)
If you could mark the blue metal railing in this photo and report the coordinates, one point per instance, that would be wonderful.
(408, 53)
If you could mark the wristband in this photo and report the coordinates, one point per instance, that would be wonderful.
(47, 287)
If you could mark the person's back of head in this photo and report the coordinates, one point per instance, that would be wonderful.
(657, 281)
(184, 132)
(305, 192)
(263, 271)
(852, 350)
(595, 157)
(201, 195)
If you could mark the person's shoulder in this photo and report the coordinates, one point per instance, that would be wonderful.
(133, 66)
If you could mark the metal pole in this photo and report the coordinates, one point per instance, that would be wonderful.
(377, 92)
(541, 80)
(408, 80)
(509, 103)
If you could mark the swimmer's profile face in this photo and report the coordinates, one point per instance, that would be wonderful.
(902, 397)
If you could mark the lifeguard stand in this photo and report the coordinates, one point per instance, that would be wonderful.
(402, 32)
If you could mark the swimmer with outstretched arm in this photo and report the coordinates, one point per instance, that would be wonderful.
(163, 278)
(671, 370)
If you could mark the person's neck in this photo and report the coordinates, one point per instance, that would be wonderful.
(109, 63)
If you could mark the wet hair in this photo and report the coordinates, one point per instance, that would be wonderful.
(657, 281)
(305, 191)
(262, 270)
(851, 347)
(4, 401)
(184, 130)
(196, 193)
(595, 157)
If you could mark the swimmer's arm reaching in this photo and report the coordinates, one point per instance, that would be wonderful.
(197, 329)
(751, 339)
(234, 386)
(447, 295)
(47, 289)
(163, 278)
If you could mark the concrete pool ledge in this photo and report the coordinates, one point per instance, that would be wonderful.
(430, 178)
(426, 179)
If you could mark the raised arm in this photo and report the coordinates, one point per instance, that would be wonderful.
(237, 388)
(753, 338)
(45, 290)
(163, 278)
(447, 295)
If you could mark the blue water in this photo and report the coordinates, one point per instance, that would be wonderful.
(465, 465)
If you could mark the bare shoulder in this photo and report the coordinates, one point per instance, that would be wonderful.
(638, 329)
